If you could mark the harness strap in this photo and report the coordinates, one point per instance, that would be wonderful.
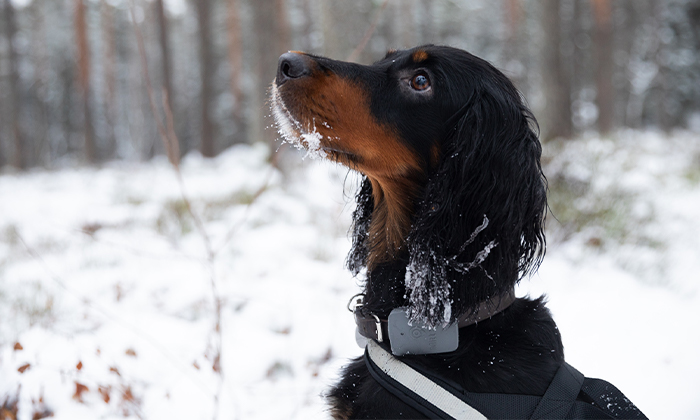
(436, 397)
(560, 395)
(605, 394)
(415, 389)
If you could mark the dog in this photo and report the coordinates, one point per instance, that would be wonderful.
(449, 218)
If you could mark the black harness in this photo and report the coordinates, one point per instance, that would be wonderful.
(569, 396)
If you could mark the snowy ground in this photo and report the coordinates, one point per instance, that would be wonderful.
(107, 293)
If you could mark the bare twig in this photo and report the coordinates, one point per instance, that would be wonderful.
(368, 33)
(266, 183)
(167, 135)
(174, 160)
(171, 143)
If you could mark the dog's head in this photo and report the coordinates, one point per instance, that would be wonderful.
(453, 188)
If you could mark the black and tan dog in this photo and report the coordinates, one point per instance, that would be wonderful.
(450, 213)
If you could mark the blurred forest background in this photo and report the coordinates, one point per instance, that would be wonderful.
(72, 86)
(125, 294)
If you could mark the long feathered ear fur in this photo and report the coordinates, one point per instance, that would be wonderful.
(362, 217)
(479, 227)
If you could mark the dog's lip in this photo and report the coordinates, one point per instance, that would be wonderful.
(301, 134)
(295, 133)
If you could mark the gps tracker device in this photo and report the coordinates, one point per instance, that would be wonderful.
(417, 338)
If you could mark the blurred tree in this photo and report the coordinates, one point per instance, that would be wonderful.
(110, 77)
(235, 59)
(403, 30)
(556, 78)
(271, 39)
(306, 38)
(2, 98)
(512, 49)
(84, 79)
(166, 63)
(206, 63)
(13, 97)
(663, 97)
(603, 44)
(636, 62)
(2, 119)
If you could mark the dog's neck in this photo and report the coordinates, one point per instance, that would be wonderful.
(394, 202)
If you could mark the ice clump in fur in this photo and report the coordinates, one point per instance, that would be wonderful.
(429, 300)
(429, 292)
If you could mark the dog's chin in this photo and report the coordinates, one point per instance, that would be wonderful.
(302, 135)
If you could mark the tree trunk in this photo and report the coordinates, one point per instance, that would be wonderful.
(555, 76)
(235, 58)
(345, 24)
(110, 75)
(282, 26)
(403, 23)
(664, 117)
(308, 26)
(603, 50)
(512, 49)
(206, 61)
(331, 43)
(84, 79)
(18, 160)
(167, 63)
(269, 22)
(40, 153)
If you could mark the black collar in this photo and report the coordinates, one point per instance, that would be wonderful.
(373, 327)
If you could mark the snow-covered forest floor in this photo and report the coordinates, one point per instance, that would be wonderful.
(107, 287)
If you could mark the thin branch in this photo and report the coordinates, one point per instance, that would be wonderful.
(266, 183)
(175, 161)
(167, 135)
(171, 143)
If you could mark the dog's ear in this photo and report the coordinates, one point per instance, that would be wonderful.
(362, 216)
(479, 227)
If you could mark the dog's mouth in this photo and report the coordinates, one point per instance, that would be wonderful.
(303, 135)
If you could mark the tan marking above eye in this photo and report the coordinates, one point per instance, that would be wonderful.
(419, 56)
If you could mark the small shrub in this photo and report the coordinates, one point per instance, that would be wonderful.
(174, 220)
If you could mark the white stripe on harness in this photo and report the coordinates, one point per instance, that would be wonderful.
(424, 387)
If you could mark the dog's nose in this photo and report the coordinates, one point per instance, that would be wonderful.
(292, 66)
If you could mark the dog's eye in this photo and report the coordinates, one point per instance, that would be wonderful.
(420, 82)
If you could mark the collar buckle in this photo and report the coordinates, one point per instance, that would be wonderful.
(366, 323)
(356, 302)
(378, 326)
